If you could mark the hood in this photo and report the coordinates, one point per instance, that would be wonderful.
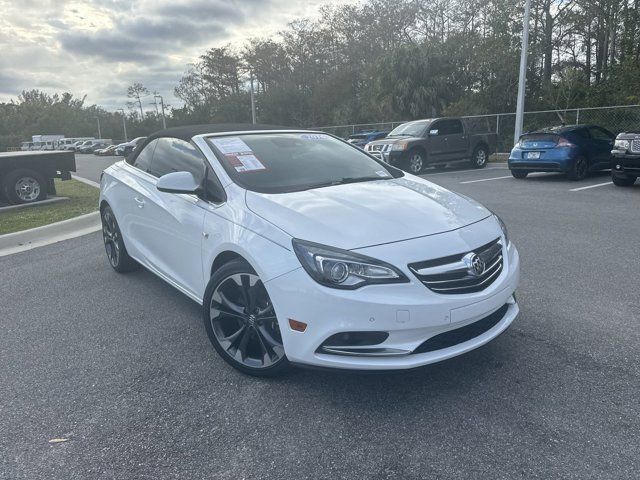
(370, 213)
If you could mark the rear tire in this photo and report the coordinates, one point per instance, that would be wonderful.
(623, 181)
(24, 186)
(480, 157)
(241, 322)
(519, 174)
(579, 169)
(113, 243)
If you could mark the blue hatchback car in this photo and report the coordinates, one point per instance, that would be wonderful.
(362, 138)
(575, 150)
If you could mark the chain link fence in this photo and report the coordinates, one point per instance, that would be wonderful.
(615, 118)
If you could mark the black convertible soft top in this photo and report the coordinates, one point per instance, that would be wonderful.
(189, 131)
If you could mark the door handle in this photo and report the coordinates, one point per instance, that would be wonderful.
(139, 201)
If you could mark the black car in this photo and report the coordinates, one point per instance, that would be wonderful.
(625, 162)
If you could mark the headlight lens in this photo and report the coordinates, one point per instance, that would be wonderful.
(622, 144)
(343, 269)
(504, 229)
(399, 146)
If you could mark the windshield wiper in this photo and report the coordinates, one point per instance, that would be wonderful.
(344, 181)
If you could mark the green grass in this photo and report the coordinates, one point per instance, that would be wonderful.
(83, 199)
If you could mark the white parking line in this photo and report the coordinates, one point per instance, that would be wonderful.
(487, 179)
(449, 172)
(591, 186)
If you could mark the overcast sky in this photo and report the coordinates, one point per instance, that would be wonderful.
(99, 47)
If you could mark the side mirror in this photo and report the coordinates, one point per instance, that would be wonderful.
(178, 182)
(433, 133)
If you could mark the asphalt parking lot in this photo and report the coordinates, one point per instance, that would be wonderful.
(121, 368)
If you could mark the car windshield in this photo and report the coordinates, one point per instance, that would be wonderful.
(411, 129)
(288, 162)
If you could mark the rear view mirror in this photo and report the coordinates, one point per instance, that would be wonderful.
(178, 182)
(433, 132)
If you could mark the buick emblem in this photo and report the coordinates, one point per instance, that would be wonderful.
(475, 264)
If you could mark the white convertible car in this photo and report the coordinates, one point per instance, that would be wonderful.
(303, 249)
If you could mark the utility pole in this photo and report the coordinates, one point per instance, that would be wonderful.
(253, 101)
(164, 120)
(99, 132)
(124, 123)
(522, 81)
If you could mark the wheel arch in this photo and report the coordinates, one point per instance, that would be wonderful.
(225, 257)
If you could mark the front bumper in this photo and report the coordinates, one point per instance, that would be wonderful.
(625, 164)
(409, 312)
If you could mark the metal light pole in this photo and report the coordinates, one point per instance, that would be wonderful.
(522, 81)
(124, 124)
(164, 121)
(253, 101)
(99, 132)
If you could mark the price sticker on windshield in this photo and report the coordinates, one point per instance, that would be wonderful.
(245, 163)
(231, 145)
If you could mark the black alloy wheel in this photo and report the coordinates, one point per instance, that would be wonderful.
(241, 322)
(579, 170)
(113, 243)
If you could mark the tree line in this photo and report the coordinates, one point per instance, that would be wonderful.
(384, 60)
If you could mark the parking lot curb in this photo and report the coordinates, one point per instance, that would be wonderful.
(22, 206)
(11, 243)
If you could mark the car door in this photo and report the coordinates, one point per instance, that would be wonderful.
(170, 229)
(456, 140)
(437, 146)
(601, 146)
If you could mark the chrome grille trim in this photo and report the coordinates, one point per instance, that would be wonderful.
(451, 275)
(635, 145)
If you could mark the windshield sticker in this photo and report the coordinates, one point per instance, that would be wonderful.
(245, 163)
(314, 136)
(382, 173)
(231, 145)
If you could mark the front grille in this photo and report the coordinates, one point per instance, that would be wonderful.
(635, 145)
(455, 274)
(379, 150)
(463, 334)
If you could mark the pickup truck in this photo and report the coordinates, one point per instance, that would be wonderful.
(27, 177)
(436, 142)
(625, 163)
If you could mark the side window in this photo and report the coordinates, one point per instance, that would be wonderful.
(582, 133)
(143, 160)
(174, 155)
(439, 127)
(600, 134)
(455, 127)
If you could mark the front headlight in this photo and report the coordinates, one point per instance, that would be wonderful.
(399, 146)
(338, 268)
(622, 145)
(504, 229)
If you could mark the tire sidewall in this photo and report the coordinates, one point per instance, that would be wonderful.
(233, 267)
(474, 158)
(412, 153)
(9, 185)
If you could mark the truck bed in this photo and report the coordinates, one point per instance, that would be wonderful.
(51, 161)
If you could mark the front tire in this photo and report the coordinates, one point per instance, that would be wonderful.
(241, 322)
(117, 254)
(480, 157)
(579, 169)
(623, 181)
(24, 186)
(415, 163)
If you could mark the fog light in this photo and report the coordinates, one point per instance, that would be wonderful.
(618, 167)
(297, 326)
